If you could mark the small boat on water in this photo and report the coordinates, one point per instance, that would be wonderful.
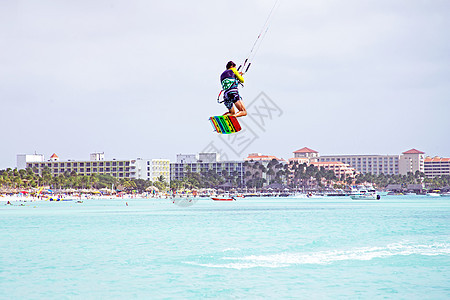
(365, 194)
(224, 198)
(446, 194)
(434, 193)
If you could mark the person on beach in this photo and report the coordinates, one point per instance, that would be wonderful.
(230, 80)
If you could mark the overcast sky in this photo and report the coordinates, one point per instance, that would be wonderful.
(140, 78)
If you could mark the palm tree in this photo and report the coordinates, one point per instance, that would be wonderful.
(270, 172)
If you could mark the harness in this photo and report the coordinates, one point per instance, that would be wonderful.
(229, 85)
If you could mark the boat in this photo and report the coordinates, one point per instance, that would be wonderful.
(224, 198)
(365, 194)
(434, 193)
(445, 194)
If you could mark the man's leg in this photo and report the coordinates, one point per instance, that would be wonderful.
(230, 112)
(241, 109)
(228, 104)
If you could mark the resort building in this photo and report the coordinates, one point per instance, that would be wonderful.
(307, 153)
(341, 170)
(133, 169)
(204, 162)
(260, 157)
(436, 166)
(23, 159)
(160, 168)
(153, 169)
(375, 164)
(115, 168)
(304, 156)
(409, 161)
(412, 161)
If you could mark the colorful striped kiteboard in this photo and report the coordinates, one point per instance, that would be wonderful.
(225, 124)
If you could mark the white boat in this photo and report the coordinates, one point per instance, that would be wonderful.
(445, 194)
(365, 194)
(301, 195)
(434, 193)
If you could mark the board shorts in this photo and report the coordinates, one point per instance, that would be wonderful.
(230, 98)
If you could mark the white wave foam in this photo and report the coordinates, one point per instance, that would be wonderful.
(328, 257)
(231, 249)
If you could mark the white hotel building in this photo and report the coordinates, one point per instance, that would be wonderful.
(204, 162)
(408, 161)
(133, 169)
(437, 166)
(375, 164)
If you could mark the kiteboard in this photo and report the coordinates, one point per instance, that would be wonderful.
(225, 124)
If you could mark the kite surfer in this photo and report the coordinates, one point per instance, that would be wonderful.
(230, 80)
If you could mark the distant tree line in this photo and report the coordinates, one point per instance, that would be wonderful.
(257, 175)
(418, 177)
(27, 178)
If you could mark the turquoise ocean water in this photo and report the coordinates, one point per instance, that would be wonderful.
(254, 248)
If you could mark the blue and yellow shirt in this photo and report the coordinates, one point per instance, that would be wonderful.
(230, 79)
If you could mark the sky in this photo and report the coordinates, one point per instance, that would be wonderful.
(139, 79)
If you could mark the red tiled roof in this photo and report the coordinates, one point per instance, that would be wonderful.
(306, 150)
(327, 163)
(262, 157)
(437, 159)
(54, 156)
(413, 151)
